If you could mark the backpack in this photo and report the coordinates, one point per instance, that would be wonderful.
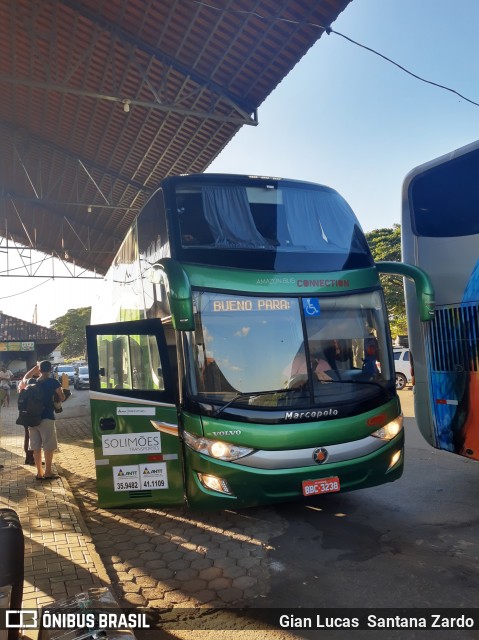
(31, 403)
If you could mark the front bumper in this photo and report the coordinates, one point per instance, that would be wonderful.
(252, 486)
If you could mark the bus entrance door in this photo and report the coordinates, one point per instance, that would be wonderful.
(134, 419)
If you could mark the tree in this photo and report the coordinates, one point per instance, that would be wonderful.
(72, 325)
(386, 245)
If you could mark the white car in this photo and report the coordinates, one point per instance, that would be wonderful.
(82, 379)
(402, 366)
(68, 369)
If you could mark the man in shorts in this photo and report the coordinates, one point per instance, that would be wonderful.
(44, 436)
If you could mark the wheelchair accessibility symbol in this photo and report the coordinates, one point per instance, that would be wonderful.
(311, 307)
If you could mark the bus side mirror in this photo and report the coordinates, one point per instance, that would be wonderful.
(178, 290)
(424, 287)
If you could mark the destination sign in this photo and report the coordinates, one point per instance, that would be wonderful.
(251, 304)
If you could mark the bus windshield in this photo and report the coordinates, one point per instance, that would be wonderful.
(284, 225)
(289, 352)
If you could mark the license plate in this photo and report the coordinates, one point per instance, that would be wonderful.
(323, 485)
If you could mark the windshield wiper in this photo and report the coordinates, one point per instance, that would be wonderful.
(250, 394)
(351, 381)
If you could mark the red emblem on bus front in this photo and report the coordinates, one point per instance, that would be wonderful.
(320, 455)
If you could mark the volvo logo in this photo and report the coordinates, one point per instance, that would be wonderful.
(320, 455)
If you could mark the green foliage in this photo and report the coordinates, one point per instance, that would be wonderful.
(386, 245)
(72, 325)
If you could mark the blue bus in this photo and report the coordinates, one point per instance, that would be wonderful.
(440, 234)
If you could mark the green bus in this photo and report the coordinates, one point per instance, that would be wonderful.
(241, 353)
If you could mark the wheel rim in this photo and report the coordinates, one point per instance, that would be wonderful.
(400, 382)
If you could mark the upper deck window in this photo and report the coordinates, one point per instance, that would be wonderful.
(239, 217)
(445, 198)
(274, 217)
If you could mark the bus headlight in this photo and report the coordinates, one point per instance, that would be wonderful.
(395, 459)
(214, 484)
(390, 430)
(216, 448)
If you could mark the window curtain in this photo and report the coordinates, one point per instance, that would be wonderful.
(228, 215)
(320, 220)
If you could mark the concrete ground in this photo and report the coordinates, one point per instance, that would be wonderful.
(157, 558)
(412, 543)
(60, 557)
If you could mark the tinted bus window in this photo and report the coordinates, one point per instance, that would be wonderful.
(445, 199)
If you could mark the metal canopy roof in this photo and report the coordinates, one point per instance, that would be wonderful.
(101, 99)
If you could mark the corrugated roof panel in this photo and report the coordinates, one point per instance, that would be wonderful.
(66, 69)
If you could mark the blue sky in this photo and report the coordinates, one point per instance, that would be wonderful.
(346, 118)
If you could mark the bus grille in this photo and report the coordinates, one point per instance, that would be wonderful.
(453, 338)
(139, 494)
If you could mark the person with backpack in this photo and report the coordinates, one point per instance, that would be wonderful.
(22, 404)
(43, 435)
(22, 384)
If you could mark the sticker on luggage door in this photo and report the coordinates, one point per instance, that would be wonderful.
(135, 477)
(127, 443)
(126, 478)
(154, 475)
